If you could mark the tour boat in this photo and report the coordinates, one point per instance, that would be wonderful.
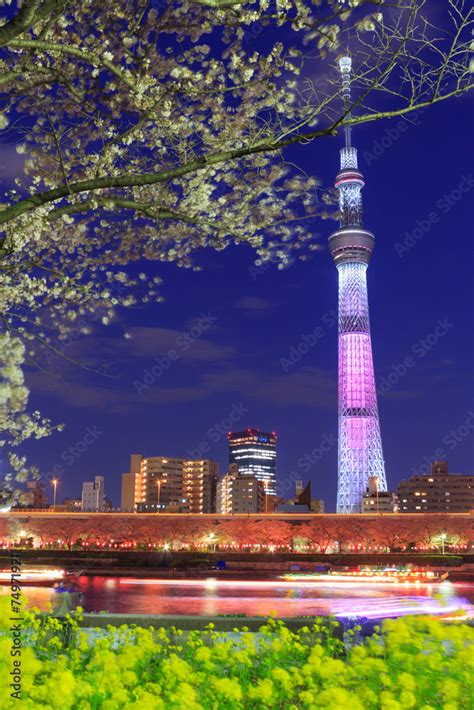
(392, 575)
(32, 576)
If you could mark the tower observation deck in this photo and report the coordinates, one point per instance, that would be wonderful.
(359, 442)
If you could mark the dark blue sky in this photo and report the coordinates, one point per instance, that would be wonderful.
(243, 324)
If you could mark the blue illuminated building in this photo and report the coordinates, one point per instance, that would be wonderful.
(254, 453)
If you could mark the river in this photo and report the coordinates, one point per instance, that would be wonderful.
(212, 597)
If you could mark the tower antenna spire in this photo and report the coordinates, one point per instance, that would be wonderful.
(345, 66)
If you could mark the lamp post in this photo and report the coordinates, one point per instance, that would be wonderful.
(55, 485)
(212, 544)
(443, 538)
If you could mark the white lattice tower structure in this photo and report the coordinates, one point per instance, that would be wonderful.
(360, 445)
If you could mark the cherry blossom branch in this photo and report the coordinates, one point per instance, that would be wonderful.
(95, 59)
(49, 196)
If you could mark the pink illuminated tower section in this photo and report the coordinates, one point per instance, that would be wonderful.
(360, 445)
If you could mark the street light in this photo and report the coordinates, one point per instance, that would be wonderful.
(55, 485)
(443, 537)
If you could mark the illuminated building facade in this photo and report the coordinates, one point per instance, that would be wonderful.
(438, 492)
(167, 484)
(93, 495)
(375, 501)
(360, 445)
(254, 453)
(237, 493)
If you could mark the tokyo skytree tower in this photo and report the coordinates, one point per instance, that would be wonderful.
(360, 445)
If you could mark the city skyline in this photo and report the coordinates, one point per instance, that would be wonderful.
(244, 366)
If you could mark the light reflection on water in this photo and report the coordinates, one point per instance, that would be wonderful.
(260, 598)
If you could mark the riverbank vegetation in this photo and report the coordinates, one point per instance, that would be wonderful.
(325, 534)
(416, 662)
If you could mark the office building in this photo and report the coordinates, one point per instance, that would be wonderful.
(438, 492)
(375, 501)
(254, 453)
(237, 493)
(127, 499)
(93, 495)
(317, 505)
(169, 484)
(224, 491)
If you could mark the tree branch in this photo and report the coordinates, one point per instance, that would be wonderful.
(31, 12)
(149, 209)
(89, 57)
(268, 146)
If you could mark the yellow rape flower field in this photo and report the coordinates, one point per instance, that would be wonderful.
(414, 662)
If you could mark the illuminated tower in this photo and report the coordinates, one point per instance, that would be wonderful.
(360, 446)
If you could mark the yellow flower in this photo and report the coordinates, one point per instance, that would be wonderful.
(388, 702)
(176, 667)
(227, 688)
(281, 677)
(262, 691)
(203, 654)
(337, 698)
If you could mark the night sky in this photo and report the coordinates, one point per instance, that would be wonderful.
(253, 347)
(232, 328)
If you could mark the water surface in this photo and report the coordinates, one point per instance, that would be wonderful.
(211, 597)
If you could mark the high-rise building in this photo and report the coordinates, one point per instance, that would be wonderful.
(224, 491)
(127, 500)
(169, 484)
(360, 445)
(93, 495)
(237, 493)
(254, 453)
(438, 492)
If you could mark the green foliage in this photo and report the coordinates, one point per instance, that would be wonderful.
(416, 662)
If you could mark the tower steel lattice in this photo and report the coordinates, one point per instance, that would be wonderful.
(360, 445)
